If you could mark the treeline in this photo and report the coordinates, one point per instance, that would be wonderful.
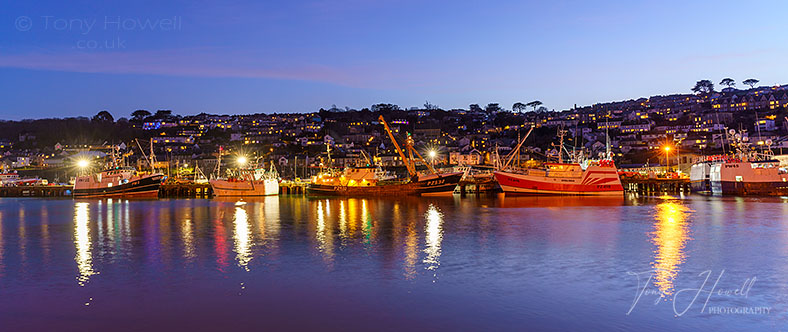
(73, 131)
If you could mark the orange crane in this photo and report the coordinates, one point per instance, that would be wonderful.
(409, 164)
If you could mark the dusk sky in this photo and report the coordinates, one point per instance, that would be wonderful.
(76, 58)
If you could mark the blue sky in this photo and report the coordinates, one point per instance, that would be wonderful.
(76, 58)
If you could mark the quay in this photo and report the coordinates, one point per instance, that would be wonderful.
(476, 187)
(203, 190)
(464, 188)
(35, 191)
(292, 188)
(185, 190)
(658, 185)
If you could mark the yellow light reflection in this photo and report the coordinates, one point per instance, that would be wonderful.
(111, 220)
(342, 221)
(433, 237)
(670, 237)
(411, 255)
(187, 236)
(366, 221)
(242, 238)
(271, 206)
(325, 243)
(84, 257)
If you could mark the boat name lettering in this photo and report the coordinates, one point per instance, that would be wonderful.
(435, 182)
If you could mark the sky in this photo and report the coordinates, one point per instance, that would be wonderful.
(75, 58)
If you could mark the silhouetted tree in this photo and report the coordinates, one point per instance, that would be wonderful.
(751, 82)
(139, 115)
(534, 104)
(163, 114)
(729, 82)
(493, 108)
(384, 107)
(703, 87)
(103, 116)
(518, 107)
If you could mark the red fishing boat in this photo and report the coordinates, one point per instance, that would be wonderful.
(578, 177)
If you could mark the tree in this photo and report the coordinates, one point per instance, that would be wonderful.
(534, 104)
(518, 107)
(542, 109)
(103, 116)
(729, 82)
(751, 82)
(429, 107)
(139, 115)
(163, 114)
(382, 107)
(493, 108)
(703, 87)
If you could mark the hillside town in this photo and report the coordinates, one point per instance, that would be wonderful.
(299, 143)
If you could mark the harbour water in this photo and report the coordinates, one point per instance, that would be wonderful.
(546, 263)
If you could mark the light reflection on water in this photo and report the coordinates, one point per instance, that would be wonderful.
(84, 257)
(493, 253)
(242, 238)
(670, 236)
(433, 237)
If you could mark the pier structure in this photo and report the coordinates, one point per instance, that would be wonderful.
(646, 186)
(36, 191)
(292, 188)
(185, 190)
(476, 188)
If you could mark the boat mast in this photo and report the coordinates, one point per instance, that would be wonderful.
(144, 156)
(607, 137)
(511, 154)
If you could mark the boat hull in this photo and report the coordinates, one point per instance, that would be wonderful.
(748, 179)
(596, 181)
(699, 178)
(145, 187)
(224, 188)
(433, 185)
(749, 188)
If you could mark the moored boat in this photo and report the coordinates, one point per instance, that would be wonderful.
(747, 172)
(360, 182)
(562, 179)
(247, 182)
(118, 182)
(578, 177)
(760, 178)
(367, 181)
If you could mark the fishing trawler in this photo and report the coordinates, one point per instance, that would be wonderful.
(367, 181)
(118, 180)
(747, 172)
(579, 176)
(121, 181)
(13, 180)
(247, 182)
(700, 173)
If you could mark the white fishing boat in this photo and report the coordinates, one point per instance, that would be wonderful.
(247, 182)
(747, 172)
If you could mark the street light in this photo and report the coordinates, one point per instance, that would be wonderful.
(83, 163)
(242, 160)
(432, 154)
(667, 157)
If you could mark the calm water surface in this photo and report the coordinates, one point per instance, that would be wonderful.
(679, 263)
